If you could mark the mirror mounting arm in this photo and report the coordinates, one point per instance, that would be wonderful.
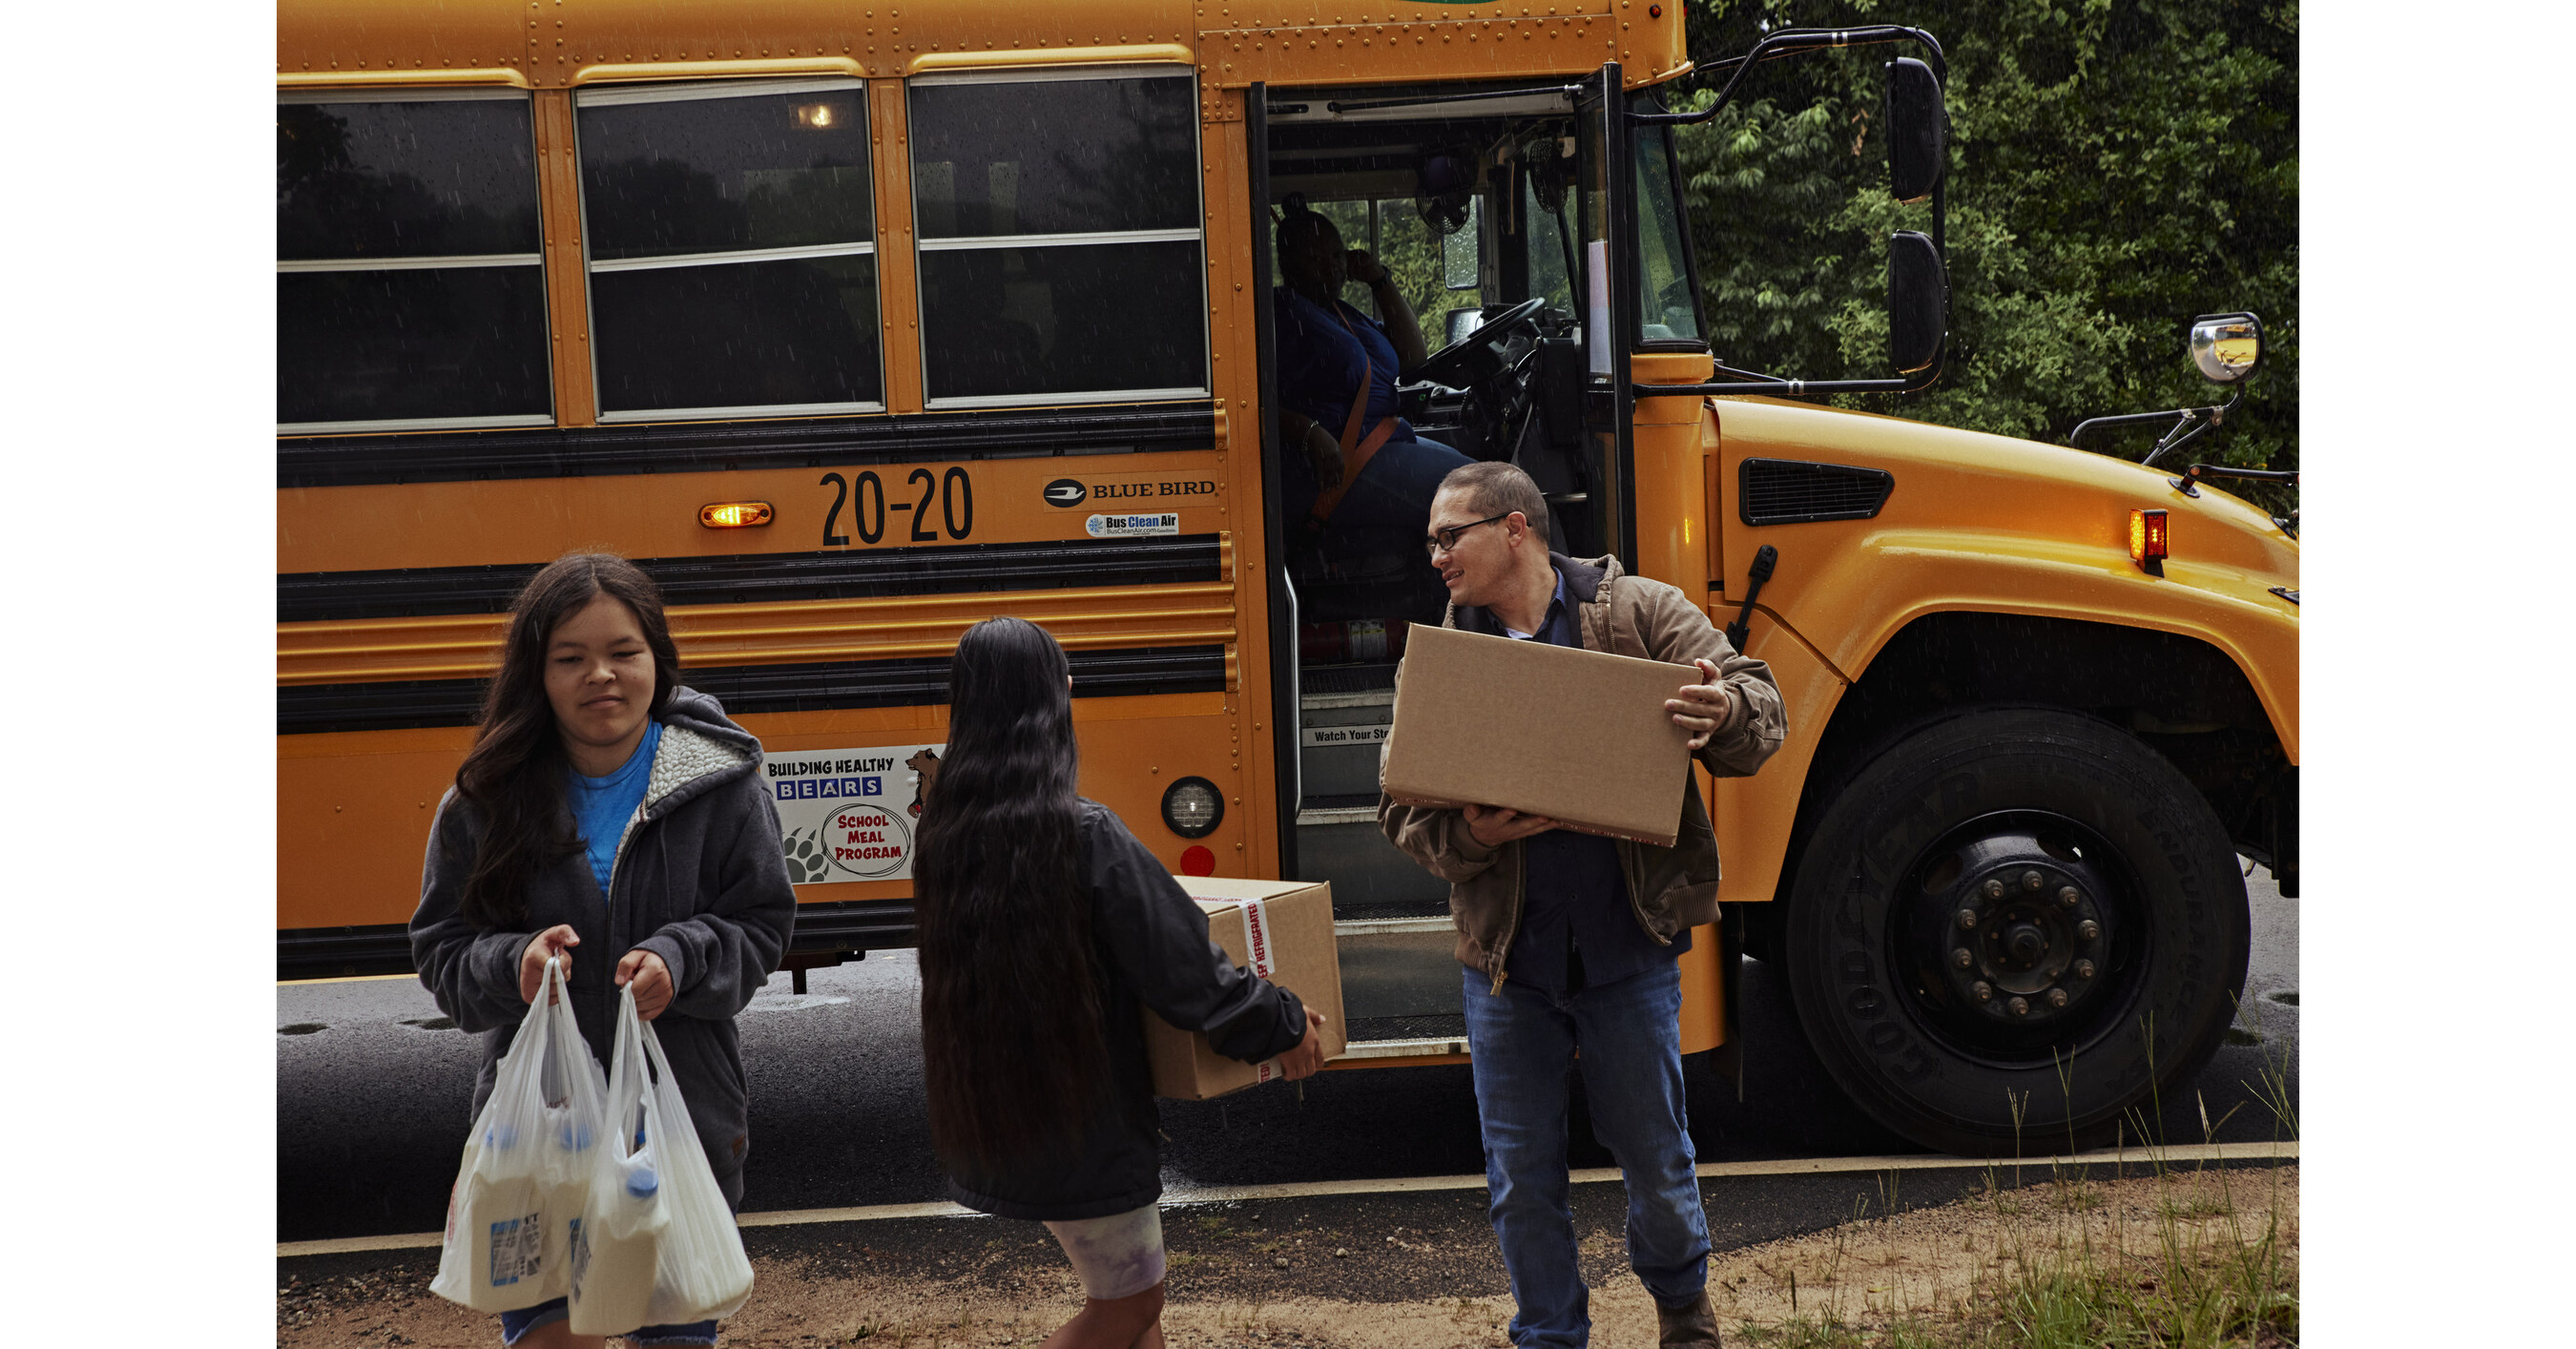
(1791, 388)
(1791, 42)
(2189, 482)
(2190, 424)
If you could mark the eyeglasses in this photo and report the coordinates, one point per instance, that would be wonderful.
(1446, 540)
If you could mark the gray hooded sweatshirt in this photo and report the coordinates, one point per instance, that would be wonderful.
(700, 880)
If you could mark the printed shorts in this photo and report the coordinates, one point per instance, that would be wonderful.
(1117, 1256)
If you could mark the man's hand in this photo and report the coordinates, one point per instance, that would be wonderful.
(1307, 1058)
(1494, 826)
(1703, 709)
(1364, 269)
(1325, 453)
(652, 980)
(554, 941)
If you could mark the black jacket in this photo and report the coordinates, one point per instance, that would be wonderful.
(1150, 948)
(700, 880)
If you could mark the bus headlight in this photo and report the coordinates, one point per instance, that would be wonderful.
(1193, 808)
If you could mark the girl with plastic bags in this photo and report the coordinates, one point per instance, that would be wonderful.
(1044, 927)
(611, 817)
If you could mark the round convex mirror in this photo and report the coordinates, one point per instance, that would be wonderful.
(2226, 347)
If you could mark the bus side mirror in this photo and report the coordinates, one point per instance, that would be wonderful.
(1918, 302)
(1918, 130)
(2226, 347)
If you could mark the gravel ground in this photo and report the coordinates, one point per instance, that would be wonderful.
(1386, 1272)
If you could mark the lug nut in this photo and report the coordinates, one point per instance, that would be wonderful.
(2019, 1006)
(2088, 929)
(1994, 889)
(2031, 880)
(1961, 958)
(2083, 969)
(2057, 997)
(1985, 991)
(2069, 896)
(1967, 919)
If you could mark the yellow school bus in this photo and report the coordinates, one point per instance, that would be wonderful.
(854, 325)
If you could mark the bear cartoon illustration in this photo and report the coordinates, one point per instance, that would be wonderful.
(926, 763)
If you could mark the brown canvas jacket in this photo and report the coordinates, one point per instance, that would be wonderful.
(1669, 889)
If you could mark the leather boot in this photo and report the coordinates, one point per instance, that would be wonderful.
(1690, 1326)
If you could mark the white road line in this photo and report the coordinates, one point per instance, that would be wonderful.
(1226, 1194)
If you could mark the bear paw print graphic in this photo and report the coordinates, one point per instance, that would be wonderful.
(808, 861)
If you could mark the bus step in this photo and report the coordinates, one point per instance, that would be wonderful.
(1338, 745)
(1315, 680)
(1397, 969)
(1377, 923)
(1377, 920)
(1344, 845)
(1398, 1037)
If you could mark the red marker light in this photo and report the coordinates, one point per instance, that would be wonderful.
(1197, 861)
(2148, 540)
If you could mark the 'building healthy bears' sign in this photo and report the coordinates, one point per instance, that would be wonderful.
(850, 814)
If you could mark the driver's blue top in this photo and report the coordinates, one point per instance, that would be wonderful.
(1320, 361)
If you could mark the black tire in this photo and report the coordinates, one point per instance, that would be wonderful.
(1952, 824)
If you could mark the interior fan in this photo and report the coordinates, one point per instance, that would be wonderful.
(1448, 192)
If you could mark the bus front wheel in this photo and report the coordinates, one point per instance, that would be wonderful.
(2013, 926)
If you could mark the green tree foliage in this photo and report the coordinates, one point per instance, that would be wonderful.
(2116, 167)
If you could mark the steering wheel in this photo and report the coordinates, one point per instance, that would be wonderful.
(1479, 354)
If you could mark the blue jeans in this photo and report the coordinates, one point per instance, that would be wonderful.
(518, 1323)
(1523, 1041)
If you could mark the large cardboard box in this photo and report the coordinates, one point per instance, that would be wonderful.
(1282, 931)
(1578, 736)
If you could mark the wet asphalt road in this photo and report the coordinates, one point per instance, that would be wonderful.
(373, 1089)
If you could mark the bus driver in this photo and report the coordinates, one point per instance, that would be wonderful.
(1356, 471)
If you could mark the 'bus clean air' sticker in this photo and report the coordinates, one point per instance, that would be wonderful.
(850, 814)
(1132, 526)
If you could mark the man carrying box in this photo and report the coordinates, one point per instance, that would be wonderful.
(1570, 941)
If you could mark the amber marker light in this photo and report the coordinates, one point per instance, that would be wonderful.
(734, 514)
(2147, 540)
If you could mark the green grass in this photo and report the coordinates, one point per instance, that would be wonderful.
(2206, 1264)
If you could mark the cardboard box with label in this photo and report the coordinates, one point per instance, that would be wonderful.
(1578, 736)
(1280, 930)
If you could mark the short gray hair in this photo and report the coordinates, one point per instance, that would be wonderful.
(1499, 488)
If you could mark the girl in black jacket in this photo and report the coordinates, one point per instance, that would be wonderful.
(611, 817)
(1044, 926)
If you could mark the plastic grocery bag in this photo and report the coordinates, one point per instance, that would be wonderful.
(526, 1173)
(617, 1249)
(700, 1272)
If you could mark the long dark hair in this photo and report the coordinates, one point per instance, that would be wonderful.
(1010, 1012)
(514, 776)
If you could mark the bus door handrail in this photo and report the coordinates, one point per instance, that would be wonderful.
(1297, 694)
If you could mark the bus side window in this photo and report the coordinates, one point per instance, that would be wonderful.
(410, 278)
(730, 231)
(1061, 254)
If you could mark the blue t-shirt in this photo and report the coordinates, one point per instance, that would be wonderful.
(1320, 363)
(602, 806)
